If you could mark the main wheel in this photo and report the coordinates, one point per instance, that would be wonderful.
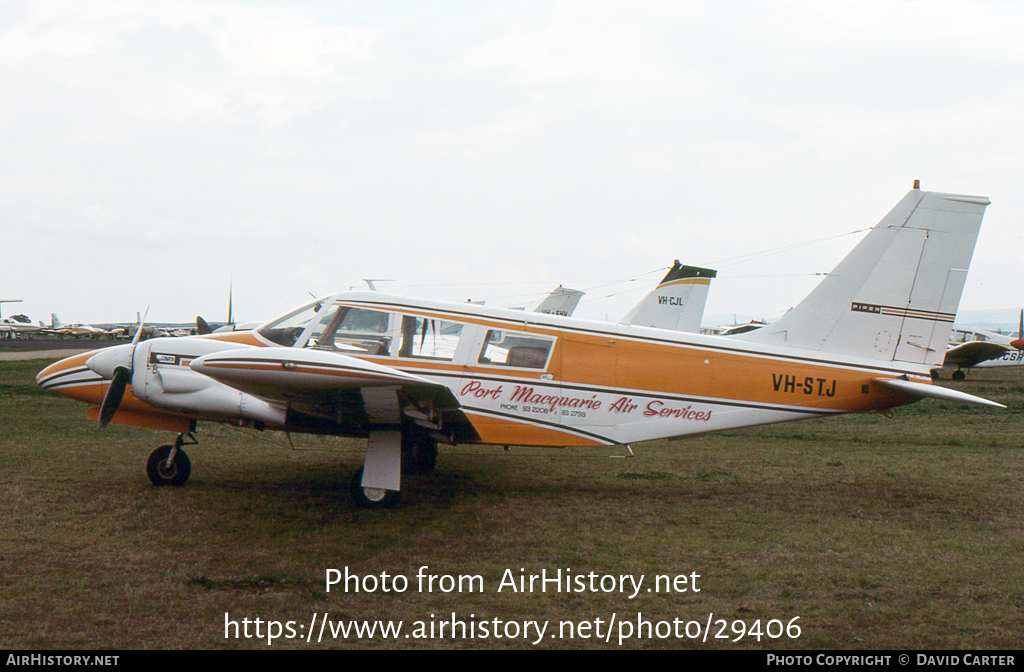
(959, 375)
(161, 474)
(372, 498)
(419, 453)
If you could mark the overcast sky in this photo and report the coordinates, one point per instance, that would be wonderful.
(152, 153)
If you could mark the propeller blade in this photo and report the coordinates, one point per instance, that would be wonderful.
(112, 397)
(1020, 327)
(138, 330)
(202, 327)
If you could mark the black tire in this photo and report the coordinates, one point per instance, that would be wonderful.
(935, 374)
(959, 375)
(160, 474)
(372, 498)
(419, 453)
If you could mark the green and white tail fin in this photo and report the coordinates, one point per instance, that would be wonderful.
(677, 302)
(894, 297)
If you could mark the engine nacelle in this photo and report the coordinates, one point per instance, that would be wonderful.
(162, 378)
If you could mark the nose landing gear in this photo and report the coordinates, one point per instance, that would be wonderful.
(169, 465)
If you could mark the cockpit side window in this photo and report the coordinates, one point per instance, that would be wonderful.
(287, 330)
(502, 348)
(323, 321)
(358, 331)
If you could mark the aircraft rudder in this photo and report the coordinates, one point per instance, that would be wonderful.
(896, 293)
(677, 302)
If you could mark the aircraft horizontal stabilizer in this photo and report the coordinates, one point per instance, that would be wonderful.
(934, 392)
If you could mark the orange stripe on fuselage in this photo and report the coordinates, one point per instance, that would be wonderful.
(510, 432)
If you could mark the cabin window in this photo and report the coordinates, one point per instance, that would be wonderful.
(428, 338)
(502, 348)
(358, 331)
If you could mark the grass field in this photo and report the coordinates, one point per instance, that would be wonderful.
(876, 532)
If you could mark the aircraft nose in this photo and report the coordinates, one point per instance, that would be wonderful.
(43, 376)
(67, 376)
(1018, 343)
(105, 361)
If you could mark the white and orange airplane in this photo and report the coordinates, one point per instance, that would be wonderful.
(408, 374)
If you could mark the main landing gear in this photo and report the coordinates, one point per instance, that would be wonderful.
(376, 485)
(169, 465)
(389, 454)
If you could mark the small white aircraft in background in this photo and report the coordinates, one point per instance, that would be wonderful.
(19, 325)
(12, 328)
(970, 347)
(408, 373)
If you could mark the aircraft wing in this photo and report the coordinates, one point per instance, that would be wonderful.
(972, 353)
(335, 390)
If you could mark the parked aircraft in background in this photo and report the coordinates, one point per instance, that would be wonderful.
(677, 303)
(970, 347)
(78, 330)
(561, 301)
(408, 374)
(11, 327)
(203, 327)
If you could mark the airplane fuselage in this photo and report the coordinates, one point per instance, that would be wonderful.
(519, 378)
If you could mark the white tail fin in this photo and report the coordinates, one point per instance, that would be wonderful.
(677, 302)
(895, 295)
(55, 321)
(561, 301)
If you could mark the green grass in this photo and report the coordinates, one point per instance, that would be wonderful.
(878, 533)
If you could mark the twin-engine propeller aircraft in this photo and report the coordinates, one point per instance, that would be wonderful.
(408, 374)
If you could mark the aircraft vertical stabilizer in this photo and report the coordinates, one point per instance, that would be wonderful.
(561, 301)
(894, 297)
(677, 302)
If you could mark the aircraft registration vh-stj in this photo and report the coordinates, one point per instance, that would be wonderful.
(408, 374)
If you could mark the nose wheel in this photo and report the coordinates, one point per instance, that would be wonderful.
(169, 465)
